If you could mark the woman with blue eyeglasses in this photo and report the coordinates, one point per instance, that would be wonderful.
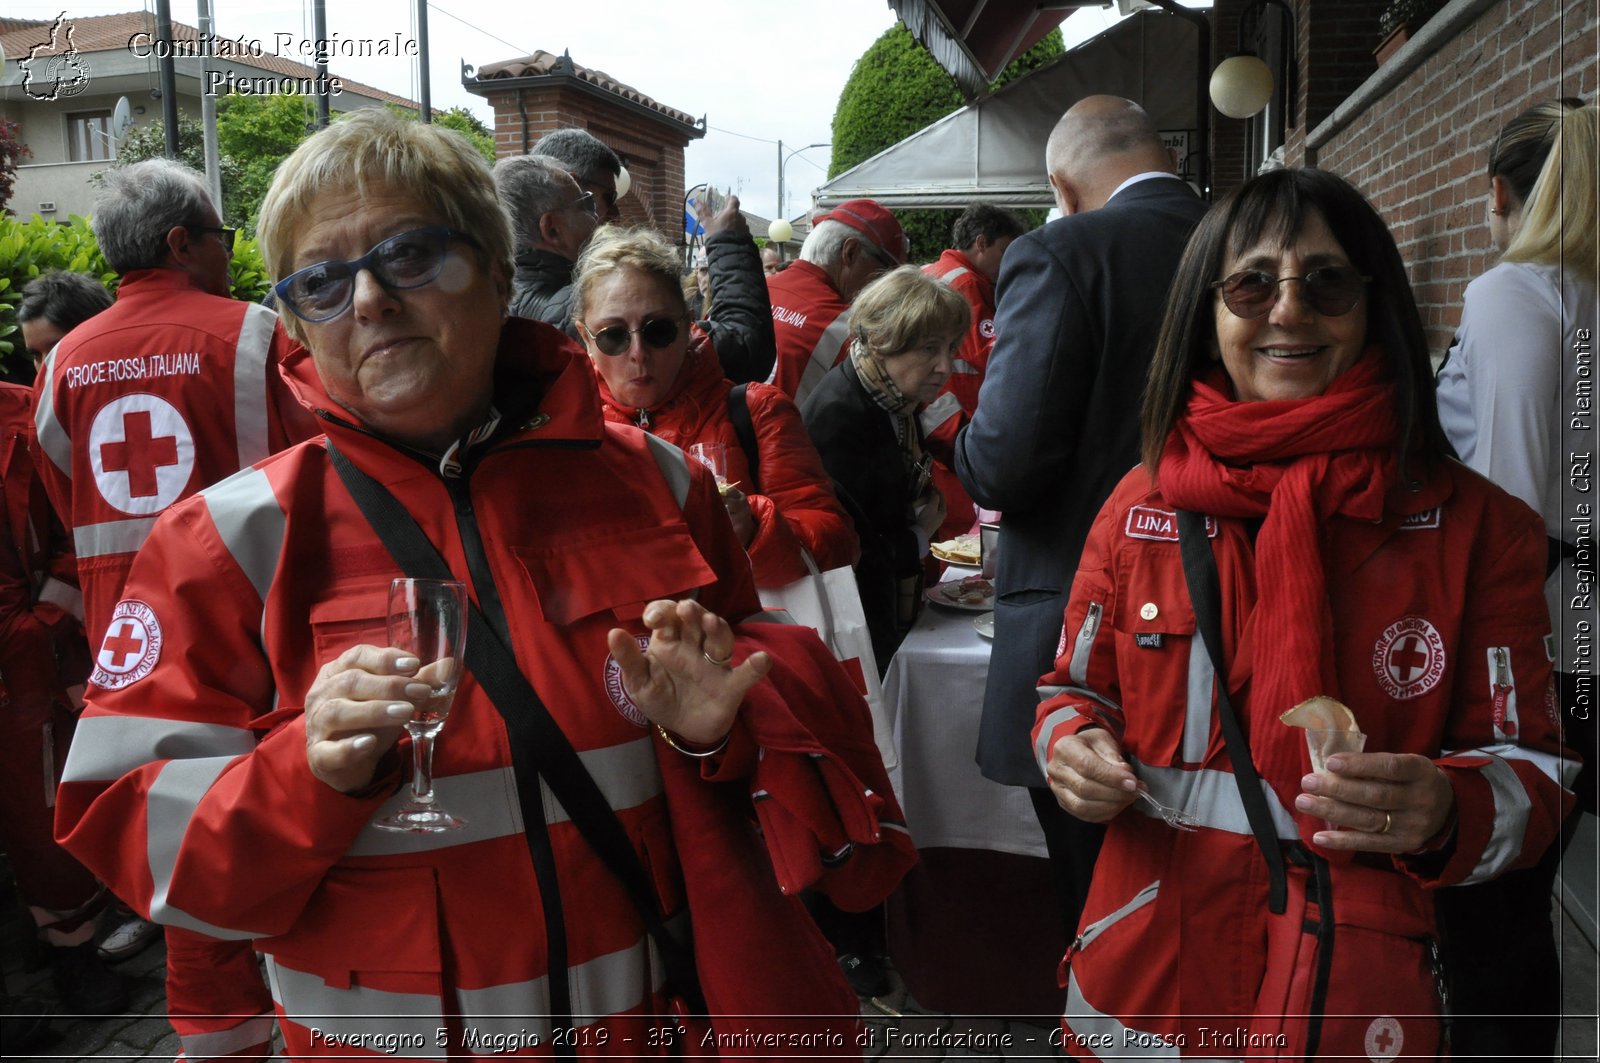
(606, 890)
(658, 371)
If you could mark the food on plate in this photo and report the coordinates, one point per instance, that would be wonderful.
(974, 590)
(962, 550)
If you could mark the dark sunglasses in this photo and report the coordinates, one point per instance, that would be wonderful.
(586, 204)
(223, 232)
(323, 291)
(658, 333)
(1331, 291)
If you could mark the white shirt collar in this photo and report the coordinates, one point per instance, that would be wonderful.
(1148, 175)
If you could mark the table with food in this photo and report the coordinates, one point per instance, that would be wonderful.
(973, 929)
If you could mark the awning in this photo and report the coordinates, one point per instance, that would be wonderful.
(993, 151)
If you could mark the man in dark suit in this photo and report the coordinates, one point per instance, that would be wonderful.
(1079, 303)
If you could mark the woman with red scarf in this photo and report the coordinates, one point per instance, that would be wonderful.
(1281, 910)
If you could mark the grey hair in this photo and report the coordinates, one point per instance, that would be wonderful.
(580, 152)
(531, 186)
(825, 243)
(139, 204)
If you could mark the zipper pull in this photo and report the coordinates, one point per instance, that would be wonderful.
(643, 420)
(1091, 620)
(1501, 690)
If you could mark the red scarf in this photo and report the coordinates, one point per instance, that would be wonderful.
(1296, 462)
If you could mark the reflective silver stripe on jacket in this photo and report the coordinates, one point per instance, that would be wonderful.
(823, 356)
(1512, 806)
(1211, 797)
(963, 367)
(959, 271)
(252, 361)
(355, 1014)
(1078, 667)
(626, 775)
(219, 1043)
(53, 439)
(1064, 715)
(1197, 712)
(63, 596)
(170, 805)
(1109, 1038)
(674, 465)
(1134, 903)
(940, 410)
(105, 748)
(111, 537)
(251, 523)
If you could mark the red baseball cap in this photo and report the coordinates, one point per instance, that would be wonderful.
(873, 220)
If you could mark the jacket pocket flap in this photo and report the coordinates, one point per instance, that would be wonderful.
(382, 919)
(358, 614)
(620, 572)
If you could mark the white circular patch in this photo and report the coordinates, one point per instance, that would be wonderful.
(131, 647)
(1409, 658)
(1384, 1038)
(618, 695)
(986, 328)
(141, 452)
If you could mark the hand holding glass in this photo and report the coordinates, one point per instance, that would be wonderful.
(427, 619)
(713, 456)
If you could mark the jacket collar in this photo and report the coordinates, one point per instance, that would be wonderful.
(158, 278)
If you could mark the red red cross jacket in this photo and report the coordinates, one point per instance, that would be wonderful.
(811, 322)
(195, 780)
(956, 270)
(793, 505)
(1439, 643)
(167, 391)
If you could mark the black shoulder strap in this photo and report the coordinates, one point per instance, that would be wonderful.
(739, 414)
(1200, 573)
(539, 747)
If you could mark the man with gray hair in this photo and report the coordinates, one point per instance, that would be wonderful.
(552, 220)
(593, 165)
(173, 388)
(1078, 306)
(846, 247)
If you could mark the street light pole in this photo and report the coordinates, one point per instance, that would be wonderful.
(783, 160)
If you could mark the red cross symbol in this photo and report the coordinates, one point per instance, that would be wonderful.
(139, 454)
(122, 645)
(1407, 659)
(1383, 1040)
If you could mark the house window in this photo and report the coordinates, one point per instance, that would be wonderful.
(89, 136)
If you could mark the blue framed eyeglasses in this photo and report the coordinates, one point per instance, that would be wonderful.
(407, 260)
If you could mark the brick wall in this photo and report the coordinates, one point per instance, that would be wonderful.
(652, 151)
(1420, 153)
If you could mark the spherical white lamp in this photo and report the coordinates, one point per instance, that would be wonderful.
(780, 231)
(1241, 86)
(625, 182)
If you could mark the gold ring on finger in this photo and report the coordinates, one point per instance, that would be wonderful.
(722, 663)
(1388, 821)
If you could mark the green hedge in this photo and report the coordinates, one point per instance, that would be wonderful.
(37, 246)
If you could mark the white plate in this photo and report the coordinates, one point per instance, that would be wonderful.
(937, 595)
(984, 624)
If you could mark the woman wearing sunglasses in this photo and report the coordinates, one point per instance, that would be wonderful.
(249, 740)
(1289, 911)
(659, 372)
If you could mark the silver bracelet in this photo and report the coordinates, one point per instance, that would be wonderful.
(666, 737)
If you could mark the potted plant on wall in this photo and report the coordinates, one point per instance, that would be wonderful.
(1399, 22)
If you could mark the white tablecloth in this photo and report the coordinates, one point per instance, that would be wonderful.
(934, 695)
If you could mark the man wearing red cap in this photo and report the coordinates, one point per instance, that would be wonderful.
(846, 248)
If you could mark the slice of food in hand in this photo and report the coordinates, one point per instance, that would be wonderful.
(1330, 728)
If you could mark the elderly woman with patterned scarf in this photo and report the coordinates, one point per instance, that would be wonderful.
(1297, 532)
(862, 416)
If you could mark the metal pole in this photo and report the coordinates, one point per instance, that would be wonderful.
(422, 61)
(208, 108)
(169, 76)
(780, 194)
(319, 29)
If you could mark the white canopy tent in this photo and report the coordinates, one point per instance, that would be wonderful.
(993, 151)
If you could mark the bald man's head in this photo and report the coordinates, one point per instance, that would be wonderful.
(1100, 142)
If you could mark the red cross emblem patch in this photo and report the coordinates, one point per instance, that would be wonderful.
(131, 647)
(1384, 1038)
(619, 694)
(1409, 658)
(141, 452)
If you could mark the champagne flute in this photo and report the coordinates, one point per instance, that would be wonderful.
(427, 619)
(713, 456)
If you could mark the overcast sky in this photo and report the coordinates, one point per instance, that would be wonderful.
(760, 71)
